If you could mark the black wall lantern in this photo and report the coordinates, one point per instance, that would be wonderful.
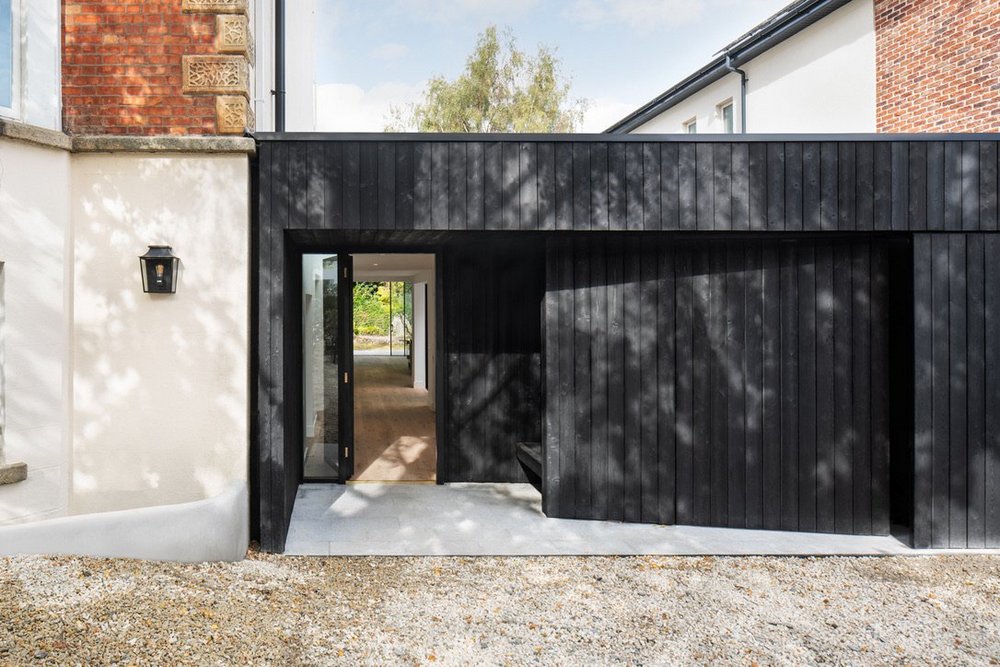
(159, 270)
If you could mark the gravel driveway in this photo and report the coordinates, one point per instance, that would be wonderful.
(559, 610)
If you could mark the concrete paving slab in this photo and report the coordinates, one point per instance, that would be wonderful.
(506, 519)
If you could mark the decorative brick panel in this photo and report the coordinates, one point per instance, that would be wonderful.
(232, 35)
(234, 113)
(937, 65)
(216, 74)
(215, 6)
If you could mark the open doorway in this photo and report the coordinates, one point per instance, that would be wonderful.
(368, 327)
(393, 345)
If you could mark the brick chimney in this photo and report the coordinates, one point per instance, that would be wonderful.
(937, 65)
(156, 67)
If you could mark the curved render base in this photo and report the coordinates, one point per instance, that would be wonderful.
(214, 529)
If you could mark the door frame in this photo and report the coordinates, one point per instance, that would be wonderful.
(295, 409)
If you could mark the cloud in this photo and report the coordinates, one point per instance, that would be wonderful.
(641, 15)
(603, 112)
(346, 107)
(390, 51)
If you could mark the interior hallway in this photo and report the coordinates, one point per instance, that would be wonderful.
(394, 437)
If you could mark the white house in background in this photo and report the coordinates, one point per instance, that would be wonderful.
(808, 68)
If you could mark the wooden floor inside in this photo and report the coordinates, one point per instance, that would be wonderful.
(394, 437)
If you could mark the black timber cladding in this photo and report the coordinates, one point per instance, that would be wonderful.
(432, 193)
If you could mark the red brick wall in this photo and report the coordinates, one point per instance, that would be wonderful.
(937, 65)
(121, 67)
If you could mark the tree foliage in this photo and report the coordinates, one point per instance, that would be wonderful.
(502, 89)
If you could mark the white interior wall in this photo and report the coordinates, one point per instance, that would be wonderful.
(820, 80)
(419, 344)
(160, 403)
(35, 310)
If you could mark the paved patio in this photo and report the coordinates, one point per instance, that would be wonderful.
(507, 520)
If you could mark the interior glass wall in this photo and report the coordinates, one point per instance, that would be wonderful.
(321, 366)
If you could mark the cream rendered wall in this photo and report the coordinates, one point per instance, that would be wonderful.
(160, 394)
(820, 80)
(34, 327)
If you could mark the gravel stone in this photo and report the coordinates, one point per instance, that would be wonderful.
(276, 610)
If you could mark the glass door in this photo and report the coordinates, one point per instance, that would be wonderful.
(327, 368)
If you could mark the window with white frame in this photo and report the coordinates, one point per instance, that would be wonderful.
(691, 126)
(725, 111)
(9, 55)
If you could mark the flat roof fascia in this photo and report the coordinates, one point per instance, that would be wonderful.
(370, 137)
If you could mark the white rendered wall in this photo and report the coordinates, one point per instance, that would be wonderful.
(160, 381)
(34, 339)
(820, 80)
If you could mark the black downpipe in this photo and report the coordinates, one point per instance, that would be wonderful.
(743, 92)
(279, 66)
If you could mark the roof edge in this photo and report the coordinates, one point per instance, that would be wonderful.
(765, 35)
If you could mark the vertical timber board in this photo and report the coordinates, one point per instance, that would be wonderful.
(788, 292)
(648, 382)
(704, 187)
(917, 186)
(599, 186)
(528, 185)
(567, 390)
(582, 461)
(719, 390)
(988, 186)
(935, 186)
(734, 354)
(992, 362)
(368, 185)
(846, 194)
(956, 486)
(970, 186)
(581, 187)
(264, 383)
(722, 158)
(843, 390)
(976, 392)
(923, 395)
(758, 462)
(439, 185)
(633, 382)
(862, 296)
(757, 186)
(421, 185)
(351, 177)
(701, 356)
(551, 476)
(681, 333)
(666, 416)
(458, 218)
(616, 380)
(563, 186)
(767, 301)
(807, 372)
(900, 186)
(633, 186)
(616, 186)
(793, 186)
(404, 187)
(474, 186)
(546, 186)
(599, 370)
(825, 362)
(864, 187)
(493, 187)
(669, 202)
(883, 292)
(940, 274)
(687, 195)
(386, 188)
(740, 187)
(651, 187)
(775, 187)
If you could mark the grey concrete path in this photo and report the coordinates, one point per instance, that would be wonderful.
(507, 519)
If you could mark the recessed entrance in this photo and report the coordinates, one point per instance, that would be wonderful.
(368, 348)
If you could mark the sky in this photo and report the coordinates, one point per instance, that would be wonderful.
(617, 54)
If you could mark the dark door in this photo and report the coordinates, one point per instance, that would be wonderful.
(327, 367)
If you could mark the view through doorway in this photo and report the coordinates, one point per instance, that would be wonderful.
(388, 345)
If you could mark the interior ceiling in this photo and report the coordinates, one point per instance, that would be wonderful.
(396, 266)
